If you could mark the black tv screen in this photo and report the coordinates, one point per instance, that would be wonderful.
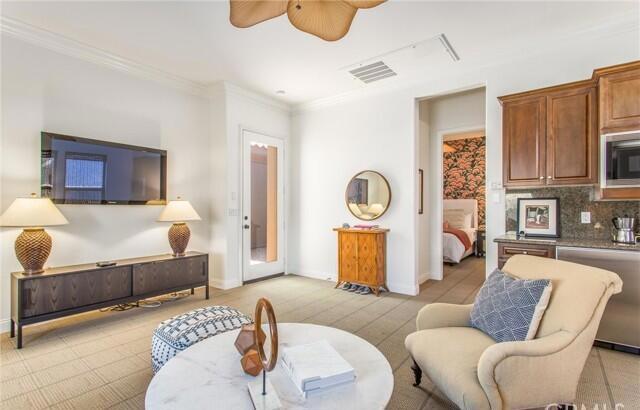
(84, 171)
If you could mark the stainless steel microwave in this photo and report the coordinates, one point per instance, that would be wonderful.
(620, 160)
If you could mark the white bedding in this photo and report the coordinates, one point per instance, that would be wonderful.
(453, 249)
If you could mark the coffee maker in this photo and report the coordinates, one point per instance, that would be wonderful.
(624, 230)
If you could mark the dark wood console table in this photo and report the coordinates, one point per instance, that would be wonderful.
(65, 291)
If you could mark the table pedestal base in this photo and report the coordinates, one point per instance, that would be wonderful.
(269, 401)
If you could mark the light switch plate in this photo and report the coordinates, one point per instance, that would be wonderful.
(585, 217)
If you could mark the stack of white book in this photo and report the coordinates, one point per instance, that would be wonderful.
(316, 366)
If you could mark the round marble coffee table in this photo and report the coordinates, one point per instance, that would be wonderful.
(208, 375)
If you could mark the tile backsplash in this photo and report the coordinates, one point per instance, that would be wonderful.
(574, 200)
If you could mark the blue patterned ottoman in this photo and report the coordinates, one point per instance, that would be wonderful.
(176, 334)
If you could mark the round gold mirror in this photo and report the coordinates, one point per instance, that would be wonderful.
(368, 195)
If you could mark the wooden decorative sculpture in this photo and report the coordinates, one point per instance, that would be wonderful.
(247, 347)
(251, 363)
(263, 394)
(246, 339)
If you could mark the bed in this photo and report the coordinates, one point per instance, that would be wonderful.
(453, 250)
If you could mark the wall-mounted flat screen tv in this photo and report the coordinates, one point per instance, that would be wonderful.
(84, 171)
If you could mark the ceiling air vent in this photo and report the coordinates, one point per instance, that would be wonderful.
(372, 72)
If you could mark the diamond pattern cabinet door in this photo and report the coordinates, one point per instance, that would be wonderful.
(348, 256)
(367, 260)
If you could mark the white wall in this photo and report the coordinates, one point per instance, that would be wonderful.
(377, 130)
(329, 147)
(449, 113)
(244, 110)
(43, 90)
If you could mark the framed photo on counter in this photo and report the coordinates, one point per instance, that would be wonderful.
(539, 217)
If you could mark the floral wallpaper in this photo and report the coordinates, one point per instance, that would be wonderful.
(464, 172)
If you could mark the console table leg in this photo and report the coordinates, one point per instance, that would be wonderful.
(19, 340)
(193, 291)
(13, 328)
(207, 291)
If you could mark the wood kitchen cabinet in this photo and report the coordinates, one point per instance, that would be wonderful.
(362, 257)
(572, 136)
(524, 139)
(507, 250)
(619, 97)
(550, 136)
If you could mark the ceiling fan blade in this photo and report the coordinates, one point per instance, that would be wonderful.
(246, 13)
(364, 4)
(328, 19)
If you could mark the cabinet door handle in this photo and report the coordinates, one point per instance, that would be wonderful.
(549, 177)
(541, 177)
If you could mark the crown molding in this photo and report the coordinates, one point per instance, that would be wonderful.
(231, 88)
(618, 25)
(64, 45)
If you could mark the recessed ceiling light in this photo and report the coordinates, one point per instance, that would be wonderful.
(281, 92)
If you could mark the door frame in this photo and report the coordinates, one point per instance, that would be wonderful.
(282, 245)
(436, 231)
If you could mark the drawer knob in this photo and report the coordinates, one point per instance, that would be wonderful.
(524, 252)
(541, 177)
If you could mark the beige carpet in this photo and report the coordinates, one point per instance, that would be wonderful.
(101, 360)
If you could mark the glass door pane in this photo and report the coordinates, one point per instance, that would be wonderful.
(264, 203)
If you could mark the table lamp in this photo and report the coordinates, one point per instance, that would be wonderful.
(33, 245)
(178, 212)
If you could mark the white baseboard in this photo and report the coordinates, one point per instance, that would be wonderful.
(317, 275)
(422, 278)
(5, 325)
(225, 284)
(410, 290)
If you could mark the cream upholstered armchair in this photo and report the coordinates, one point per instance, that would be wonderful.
(475, 372)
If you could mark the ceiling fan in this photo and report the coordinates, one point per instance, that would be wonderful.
(328, 19)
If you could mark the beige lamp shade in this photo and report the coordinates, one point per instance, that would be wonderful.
(32, 212)
(178, 211)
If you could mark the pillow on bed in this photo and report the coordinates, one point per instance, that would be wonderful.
(510, 309)
(458, 218)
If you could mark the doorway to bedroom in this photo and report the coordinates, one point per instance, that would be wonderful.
(451, 155)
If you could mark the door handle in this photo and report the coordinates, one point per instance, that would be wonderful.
(246, 226)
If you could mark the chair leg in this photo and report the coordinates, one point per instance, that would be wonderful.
(417, 373)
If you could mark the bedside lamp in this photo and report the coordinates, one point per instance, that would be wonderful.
(178, 212)
(33, 245)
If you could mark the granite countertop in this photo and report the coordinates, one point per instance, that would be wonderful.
(573, 242)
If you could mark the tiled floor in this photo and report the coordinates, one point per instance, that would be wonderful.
(101, 360)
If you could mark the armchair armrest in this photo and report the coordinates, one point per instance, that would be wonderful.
(516, 374)
(438, 315)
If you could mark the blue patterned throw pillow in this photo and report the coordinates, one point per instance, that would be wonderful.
(510, 309)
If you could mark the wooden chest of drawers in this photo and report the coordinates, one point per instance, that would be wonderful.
(507, 250)
(362, 257)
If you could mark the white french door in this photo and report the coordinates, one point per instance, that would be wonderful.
(262, 205)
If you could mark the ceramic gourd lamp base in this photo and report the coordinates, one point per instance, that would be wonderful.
(179, 235)
(33, 247)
